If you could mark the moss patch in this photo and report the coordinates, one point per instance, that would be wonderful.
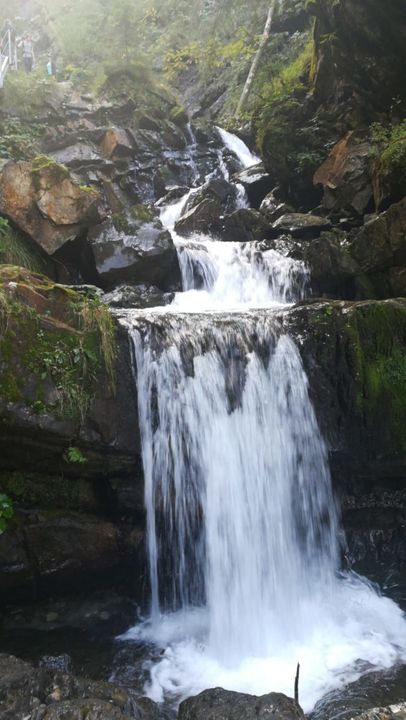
(30, 490)
(55, 344)
(375, 338)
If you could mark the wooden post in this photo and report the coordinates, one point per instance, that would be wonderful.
(297, 683)
(255, 63)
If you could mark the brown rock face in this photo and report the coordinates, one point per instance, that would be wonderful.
(116, 142)
(345, 175)
(44, 202)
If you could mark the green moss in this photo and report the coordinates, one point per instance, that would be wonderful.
(52, 359)
(179, 115)
(15, 250)
(391, 143)
(142, 213)
(375, 336)
(288, 145)
(19, 139)
(44, 162)
(30, 490)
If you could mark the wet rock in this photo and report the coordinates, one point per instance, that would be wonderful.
(206, 208)
(135, 248)
(175, 193)
(42, 694)
(219, 190)
(59, 663)
(137, 296)
(244, 225)
(219, 704)
(43, 201)
(84, 612)
(79, 155)
(273, 208)
(301, 225)
(346, 175)
(257, 183)
(117, 143)
(203, 217)
(384, 713)
(353, 353)
(380, 249)
(333, 271)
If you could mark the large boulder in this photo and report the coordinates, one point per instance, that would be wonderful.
(79, 155)
(380, 249)
(117, 143)
(346, 175)
(135, 248)
(137, 296)
(43, 201)
(46, 694)
(219, 704)
(300, 225)
(256, 182)
(273, 208)
(244, 225)
(206, 205)
(205, 217)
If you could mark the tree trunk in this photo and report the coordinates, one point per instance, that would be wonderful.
(257, 58)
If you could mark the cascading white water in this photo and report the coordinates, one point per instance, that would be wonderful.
(242, 524)
(239, 148)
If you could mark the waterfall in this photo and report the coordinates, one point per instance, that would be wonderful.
(239, 148)
(242, 526)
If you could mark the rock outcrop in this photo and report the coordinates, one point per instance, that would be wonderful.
(69, 443)
(133, 248)
(217, 704)
(43, 201)
(354, 354)
(46, 694)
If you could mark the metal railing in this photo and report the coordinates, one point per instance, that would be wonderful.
(8, 50)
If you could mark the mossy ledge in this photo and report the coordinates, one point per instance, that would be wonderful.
(55, 345)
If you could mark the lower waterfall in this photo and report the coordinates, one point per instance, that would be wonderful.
(243, 531)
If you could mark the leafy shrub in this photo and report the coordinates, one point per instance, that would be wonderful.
(75, 456)
(391, 141)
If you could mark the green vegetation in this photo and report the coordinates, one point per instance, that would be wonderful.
(61, 340)
(26, 95)
(26, 489)
(391, 141)
(376, 340)
(289, 144)
(75, 456)
(19, 140)
(15, 250)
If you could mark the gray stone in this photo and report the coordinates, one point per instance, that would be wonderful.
(219, 704)
(301, 225)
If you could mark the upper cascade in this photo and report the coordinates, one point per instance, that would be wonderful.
(218, 275)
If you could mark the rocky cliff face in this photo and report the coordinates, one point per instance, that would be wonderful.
(69, 443)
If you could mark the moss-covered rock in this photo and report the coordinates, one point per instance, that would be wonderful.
(54, 344)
